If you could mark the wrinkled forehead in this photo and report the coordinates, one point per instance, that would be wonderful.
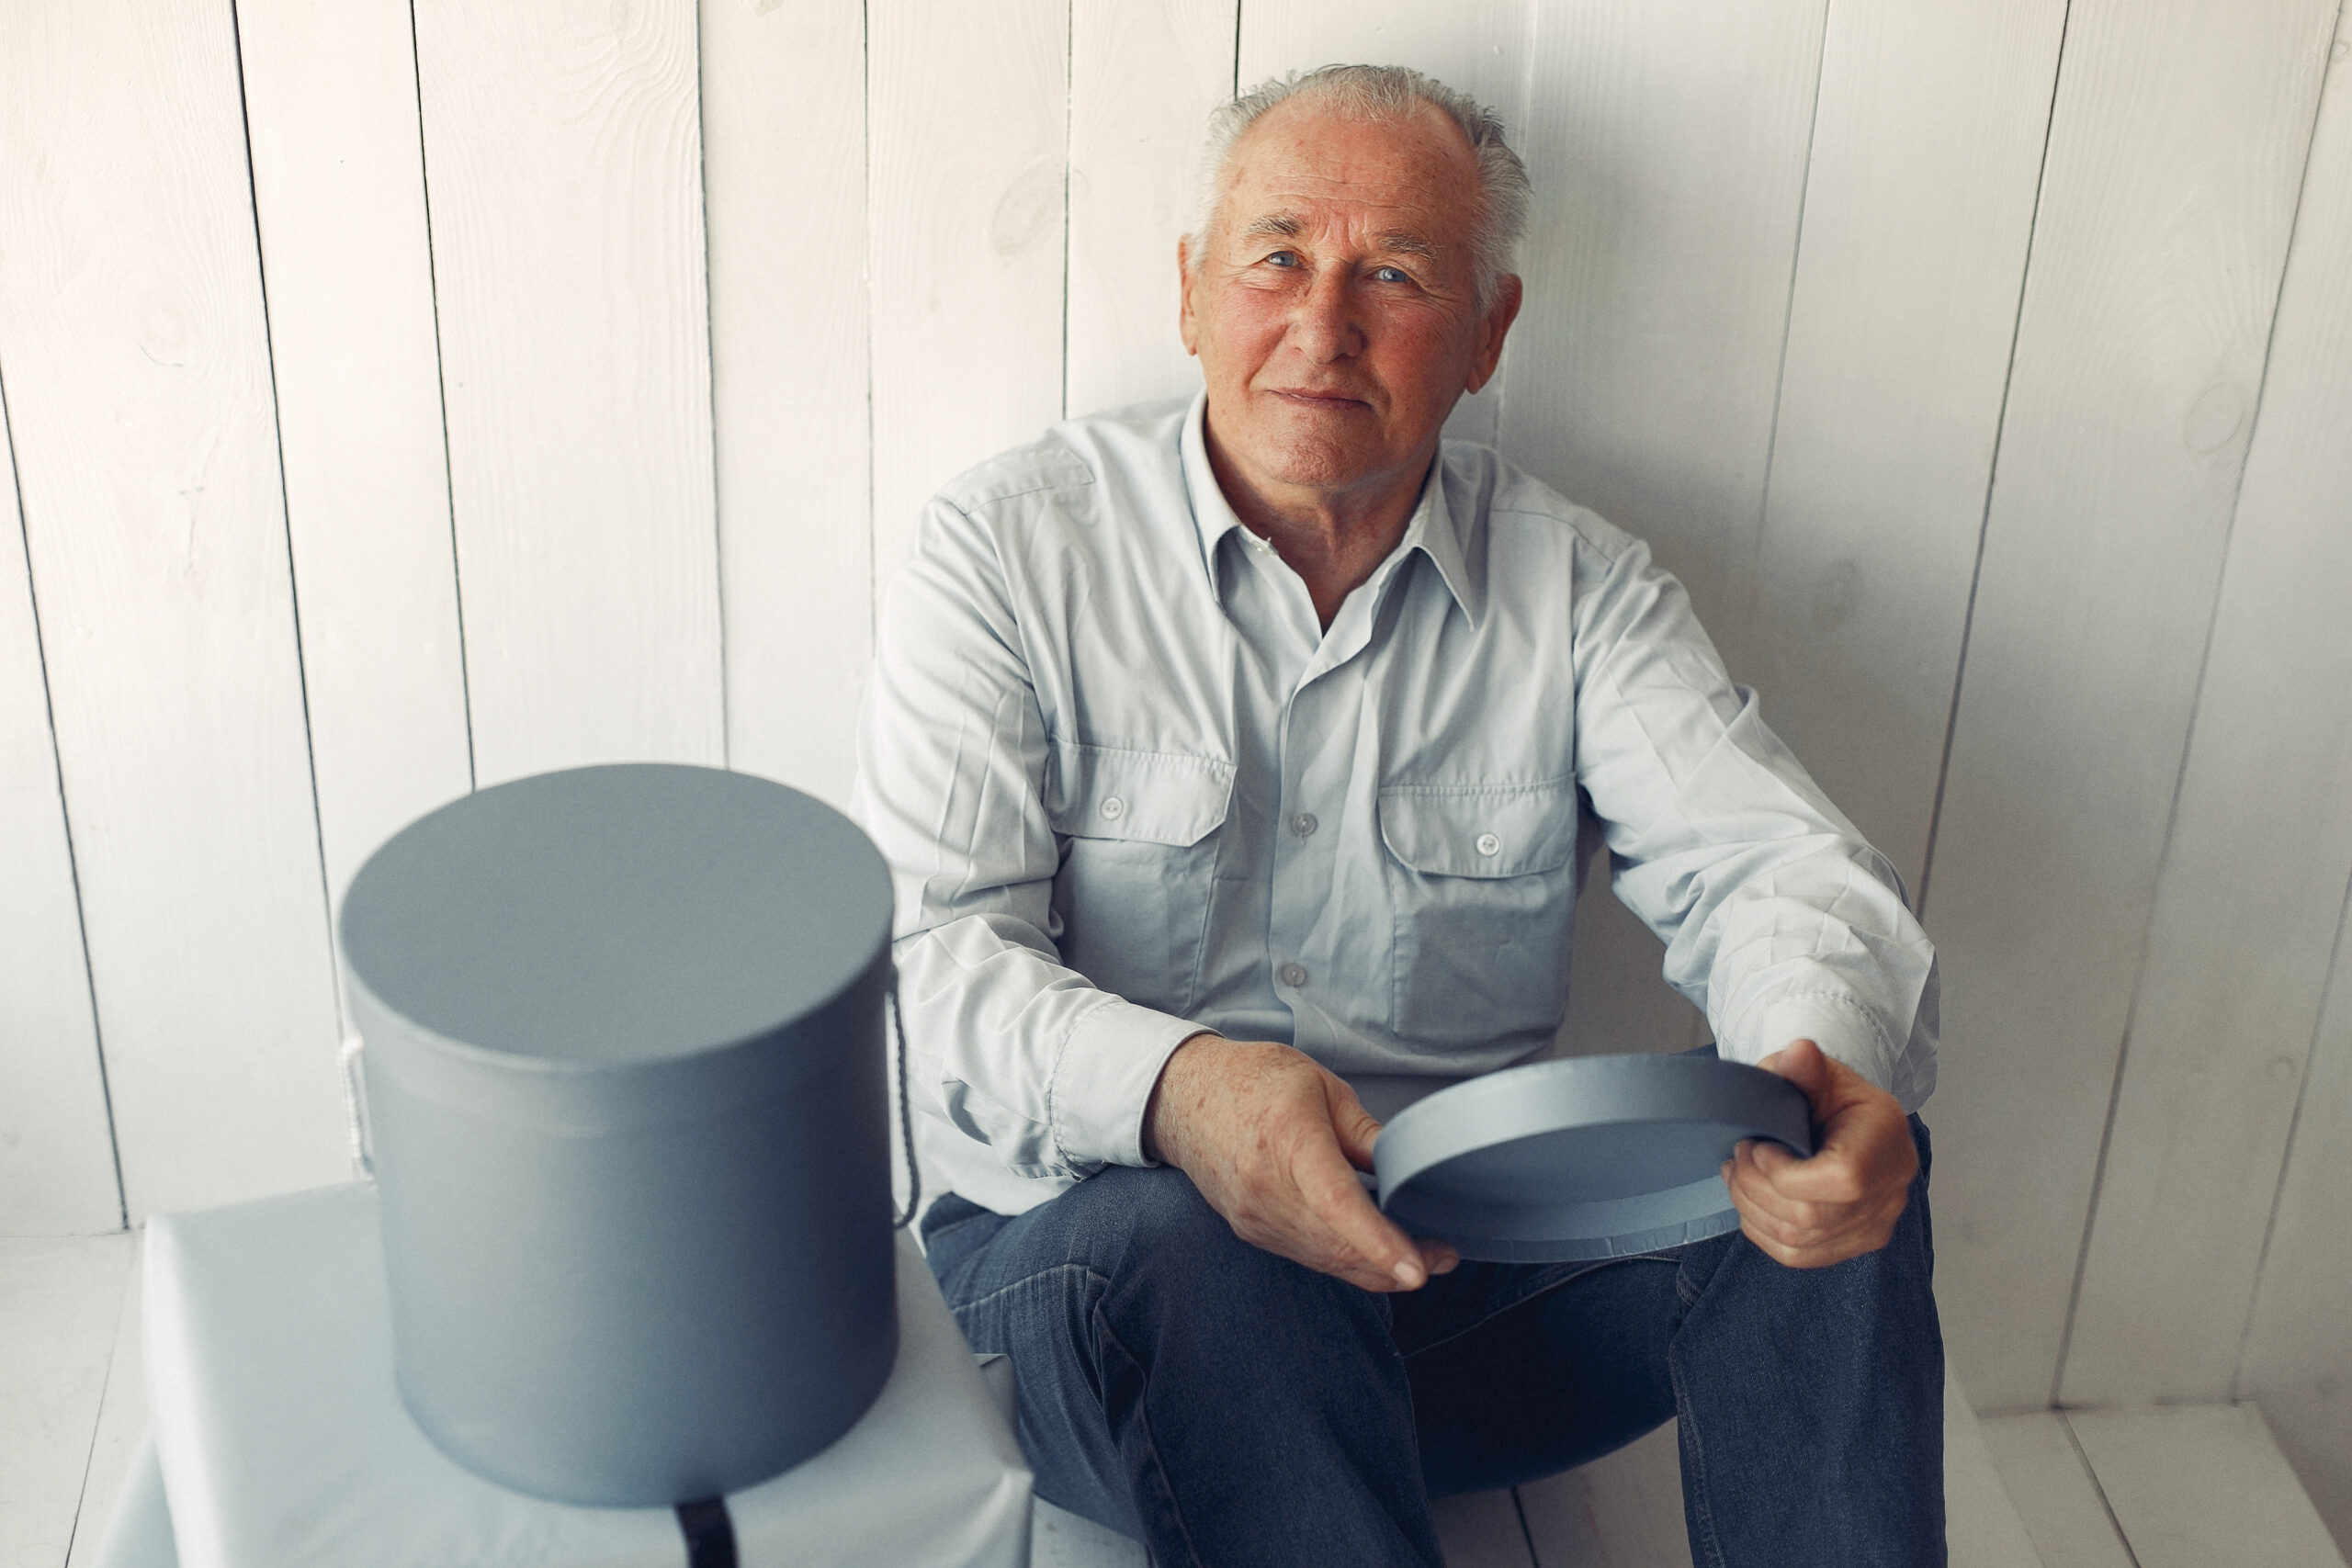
(1307, 168)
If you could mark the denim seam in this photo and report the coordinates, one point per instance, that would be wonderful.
(1528, 1292)
(1151, 1444)
(1694, 1478)
(979, 1302)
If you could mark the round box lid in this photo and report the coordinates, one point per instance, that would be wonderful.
(604, 915)
(1592, 1156)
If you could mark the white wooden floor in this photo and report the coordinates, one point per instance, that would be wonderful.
(2184, 1486)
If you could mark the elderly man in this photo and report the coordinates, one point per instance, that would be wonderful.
(1227, 753)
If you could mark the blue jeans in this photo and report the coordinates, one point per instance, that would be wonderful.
(1230, 1406)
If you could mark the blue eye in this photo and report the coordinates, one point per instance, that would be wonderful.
(1390, 274)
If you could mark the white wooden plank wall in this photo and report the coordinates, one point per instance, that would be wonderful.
(1927, 153)
(339, 193)
(56, 1151)
(1143, 77)
(2176, 154)
(1667, 142)
(2283, 620)
(969, 135)
(1823, 298)
(563, 169)
(137, 368)
(783, 178)
(2259, 856)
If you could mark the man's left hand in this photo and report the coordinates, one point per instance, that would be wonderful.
(1844, 1200)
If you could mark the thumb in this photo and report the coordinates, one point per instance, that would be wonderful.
(1357, 1128)
(1803, 1065)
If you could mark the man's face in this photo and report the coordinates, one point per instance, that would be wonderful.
(1334, 310)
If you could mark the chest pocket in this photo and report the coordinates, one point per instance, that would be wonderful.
(1138, 831)
(1482, 888)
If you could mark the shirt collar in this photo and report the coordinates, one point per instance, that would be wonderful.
(1431, 529)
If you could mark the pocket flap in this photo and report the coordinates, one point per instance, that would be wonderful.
(1155, 797)
(1480, 831)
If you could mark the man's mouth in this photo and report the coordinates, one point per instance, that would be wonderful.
(1320, 400)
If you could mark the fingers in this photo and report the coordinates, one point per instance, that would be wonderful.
(1366, 1246)
(1846, 1199)
(1357, 1129)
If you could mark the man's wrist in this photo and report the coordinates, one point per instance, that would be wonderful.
(1161, 1107)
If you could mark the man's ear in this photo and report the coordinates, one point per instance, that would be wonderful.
(1493, 327)
(1185, 325)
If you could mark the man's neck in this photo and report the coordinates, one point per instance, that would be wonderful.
(1334, 539)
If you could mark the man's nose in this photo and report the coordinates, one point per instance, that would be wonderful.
(1323, 318)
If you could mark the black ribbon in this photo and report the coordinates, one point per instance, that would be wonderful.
(710, 1534)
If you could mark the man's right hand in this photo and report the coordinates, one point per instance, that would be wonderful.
(1273, 1142)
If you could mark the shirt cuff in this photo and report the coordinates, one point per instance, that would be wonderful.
(1842, 1027)
(1103, 1081)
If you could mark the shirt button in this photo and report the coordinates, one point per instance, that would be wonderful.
(1304, 823)
(1114, 809)
(1488, 843)
(1293, 976)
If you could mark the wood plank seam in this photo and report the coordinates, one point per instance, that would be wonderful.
(1520, 1508)
(2099, 1488)
(2336, 949)
(1992, 478)
(1789, 310)
(2294, 1125)
(65, 807)
(711, 377)
(2180, 777)
(81, 1496)
(441, 391)
(286, 516)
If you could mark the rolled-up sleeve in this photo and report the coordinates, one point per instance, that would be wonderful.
(1025, 1054)
(1780, 921)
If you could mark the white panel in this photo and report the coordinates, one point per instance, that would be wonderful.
(2255, 869)
(2054, 1493)
(1982, 1528)
(1144, 76)
(59, 1299)
(132, 338)
(2194, 1485)
(2299, 1353)
(339, 187)
(2166, 198)
(1666, 143)
(122, 1421)
(968, 120)
(1927, 150)
(1059, 1538)
(564, 159)
(1481, 1530)
(784, 173)
(1478, 47)
(56, 1150)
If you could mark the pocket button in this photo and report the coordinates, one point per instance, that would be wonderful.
(1114, 809)
(1487, 844)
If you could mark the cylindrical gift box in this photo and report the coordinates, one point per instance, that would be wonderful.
(627, 1100)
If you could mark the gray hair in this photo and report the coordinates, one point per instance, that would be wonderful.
(1381, 92)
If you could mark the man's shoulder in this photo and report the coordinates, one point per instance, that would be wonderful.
(1521, 511)
(1075, 457)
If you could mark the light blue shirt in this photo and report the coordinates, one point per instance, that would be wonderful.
(1129, 789)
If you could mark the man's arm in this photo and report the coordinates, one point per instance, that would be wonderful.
(1023, 1053)
(1780, 921)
